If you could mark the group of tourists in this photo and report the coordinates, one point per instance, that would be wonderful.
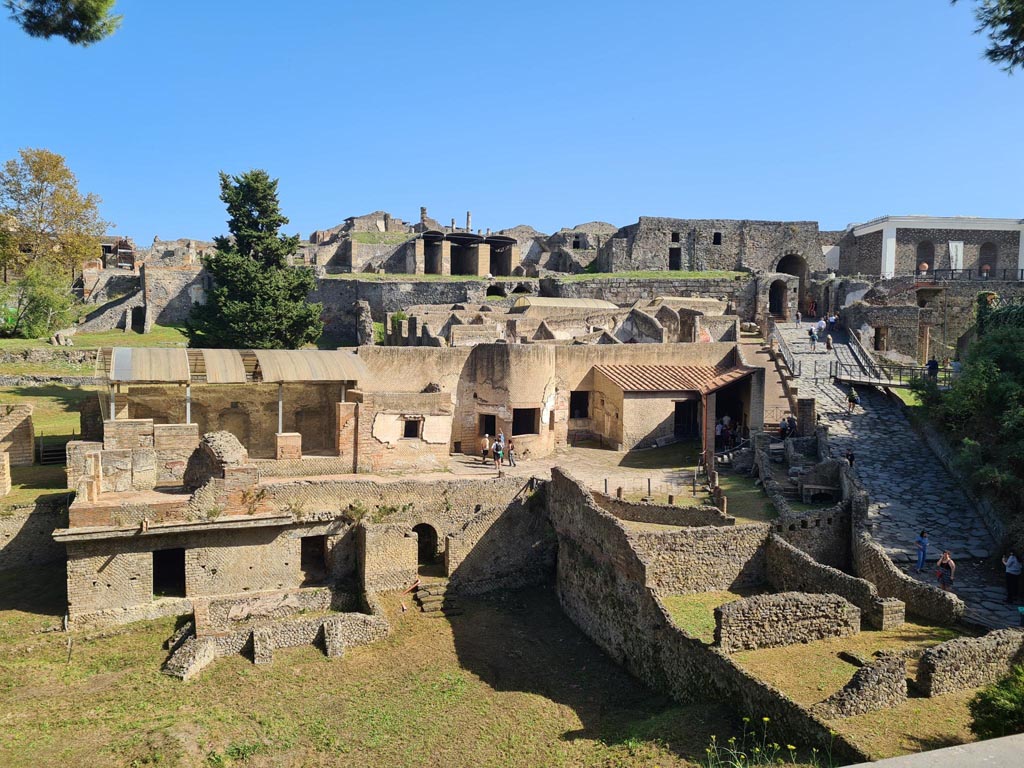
(498, 451)
(945, 568)
(820, 330)
(727, 433)
(787, 427)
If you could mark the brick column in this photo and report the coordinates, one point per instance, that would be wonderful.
(806, 419)
(5, 473)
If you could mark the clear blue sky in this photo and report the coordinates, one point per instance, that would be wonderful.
(548, 113)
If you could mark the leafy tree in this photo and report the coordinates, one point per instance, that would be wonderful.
(46, 217)
(1002, 21)
(80, 22)
(258, 301)
(998, 710)
(38, 304)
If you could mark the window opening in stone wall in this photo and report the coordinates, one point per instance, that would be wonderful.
(675, 259)
(412, 428)
(675, 237)
(576, 241)
(525, 421)
(169, 573)
(925, 256)
(313, 559)
(881, 339)
(579, 405)
(488, 425)
(987, 260)
(716, 238)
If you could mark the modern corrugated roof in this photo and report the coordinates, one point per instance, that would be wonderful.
(143, 365)
(310, 365)
(550, 301)
(672, 378)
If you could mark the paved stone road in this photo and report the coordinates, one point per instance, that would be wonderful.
(909, 488)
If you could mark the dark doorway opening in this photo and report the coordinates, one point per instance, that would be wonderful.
(169, 573)
(525, 421)
(139, 319)
(675, 259)
(777, 298)
(427, 555)
(794, 264)
(687, 418)
(313, 559)
(579, 405)
(488, 425)
(881, 339)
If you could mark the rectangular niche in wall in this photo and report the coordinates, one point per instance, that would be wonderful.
(412, 428)
(313, 559)
(169, 573)
(525, 421)
(579, 404)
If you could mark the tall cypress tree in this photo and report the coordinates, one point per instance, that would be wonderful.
(258, 301)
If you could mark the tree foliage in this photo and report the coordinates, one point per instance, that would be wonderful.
(1002, 21)
(258, 301)
(45, 217)
(80, 22)
(998, 710)
(35, 305)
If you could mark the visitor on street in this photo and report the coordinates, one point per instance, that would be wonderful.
(852, 399)
(718, 436)
(850, 457)
(922, 550)
(784, 428)
(946, 571)
(828, 342)
(791, 424)
(1013, 569)
(485, 448)
(798, 317)
(933, 368)
(814, 340)
(498, 454)
(511, 453)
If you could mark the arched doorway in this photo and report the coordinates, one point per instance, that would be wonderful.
(987, 260)
(777, 299)
(427, 556)
(795, 264)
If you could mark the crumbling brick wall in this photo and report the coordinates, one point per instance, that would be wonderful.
(17, 435)
(784, 618)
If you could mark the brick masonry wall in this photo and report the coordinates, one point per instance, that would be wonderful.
(26, 535)
(663, 514)
(17, 435)
(969, 662)
(702, 559)
(785, 618)
(879, 685)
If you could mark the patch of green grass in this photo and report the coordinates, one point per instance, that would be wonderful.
(682, 454)
(54, 407)
(380, 238)
(695, 613)
(653, 275)
(159, 336)
(35, 483)
(746, 501)
(909, 398)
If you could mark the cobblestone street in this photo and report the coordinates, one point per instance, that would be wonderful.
(909, 488)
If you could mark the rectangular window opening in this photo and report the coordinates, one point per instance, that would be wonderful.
(716, 239)
(412, 428)
(675, 259)
(169, 572)
(675, 237)
(579, 405)
(525, 421)
(313, 558)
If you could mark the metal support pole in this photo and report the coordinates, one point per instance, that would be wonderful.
(113, 412)
(280, 408)
(188, 403)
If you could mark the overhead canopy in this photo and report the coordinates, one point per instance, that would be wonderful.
(142, 365)
(309, 365)
(129, 364)
(672, 378)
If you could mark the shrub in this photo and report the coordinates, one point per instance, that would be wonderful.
(998, 710)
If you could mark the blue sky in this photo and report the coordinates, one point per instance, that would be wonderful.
(547, 113)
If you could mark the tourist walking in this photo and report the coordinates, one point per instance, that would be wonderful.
(821, 327)
(798, 317)
(485, 448)
(828, 342)
(814, 340)
(499, 451)
(933, 368)
(1013, 569)
(831, 323)
(946, 571)
(791, 424)
(852, 400)
(511, 452)
(850, 457)
(718, 436)
(922, 550)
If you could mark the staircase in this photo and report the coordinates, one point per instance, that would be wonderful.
(434, 600)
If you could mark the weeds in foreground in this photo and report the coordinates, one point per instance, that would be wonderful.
(754, 747)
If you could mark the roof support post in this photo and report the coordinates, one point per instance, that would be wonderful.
(280, 408)
(113, 410)
(188, 403)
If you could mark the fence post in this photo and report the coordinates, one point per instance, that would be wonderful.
(618, 493)
(606, 486)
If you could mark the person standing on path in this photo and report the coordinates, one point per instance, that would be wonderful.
(946, 571)
(511, 453)
(485, 448)
(828, 342)
(933, 368)
(922, 550)
(799, 317)
(814, 340)
(850, 457)
(1013, 569)
(852, 399)
(498, 454)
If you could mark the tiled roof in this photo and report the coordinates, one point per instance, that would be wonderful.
(672, 378)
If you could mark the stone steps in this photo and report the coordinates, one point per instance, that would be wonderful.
(434, 600)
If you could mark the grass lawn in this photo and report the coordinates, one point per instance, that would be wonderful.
(747, 502)
(380, 238)
(683, 454)
(35, 483)
(510, 683)
(388, 277)
(160, 336)
(710, 274)
(695, 613)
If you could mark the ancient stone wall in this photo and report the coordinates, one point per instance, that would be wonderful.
(17, 435)
(881, 684)
(792, 570)
(969, 662)
(907, 241)
(170, 293)
(663, 514)
(403, 432)
(784, 618)
(26, 534)
(739, 293)
(702, 559)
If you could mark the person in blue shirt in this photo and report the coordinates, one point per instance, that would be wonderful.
(922, 550)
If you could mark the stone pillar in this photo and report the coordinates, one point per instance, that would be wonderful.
(5, 473)
(755, 422)
(806, 419)
(288, 446)
(446, 257)
(423, 215)
(413, 339)
(709, 429)
(483, 259)
(889, 252)
(469, 221)
(419, 257)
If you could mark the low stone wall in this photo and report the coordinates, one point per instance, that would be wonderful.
(969, 662)
(663, 514)
(791, 569)
(601, 587)
(232, 613)
(784, 618)
(880, 685)
(26, 535)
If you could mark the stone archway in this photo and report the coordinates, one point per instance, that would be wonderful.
(429, 560)
(795, 264)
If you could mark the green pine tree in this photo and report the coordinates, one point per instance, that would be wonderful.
(258, 301)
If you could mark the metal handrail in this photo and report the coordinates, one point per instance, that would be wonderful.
(787, 354)
(892, 375)
(863, 355)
